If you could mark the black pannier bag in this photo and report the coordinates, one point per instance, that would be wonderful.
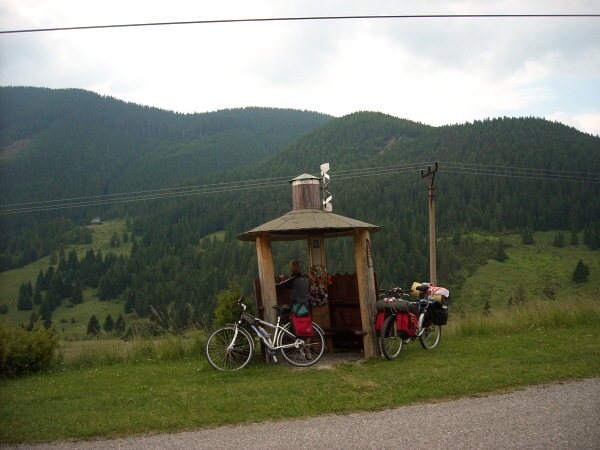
(438, 313)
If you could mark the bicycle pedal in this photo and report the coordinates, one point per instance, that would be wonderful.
(275, 359)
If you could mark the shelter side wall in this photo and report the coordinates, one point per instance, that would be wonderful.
(366, 289)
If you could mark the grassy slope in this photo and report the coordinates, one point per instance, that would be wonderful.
(540, 342)
(535, 267)
(73, 321)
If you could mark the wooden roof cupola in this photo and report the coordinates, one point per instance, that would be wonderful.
(306, 192)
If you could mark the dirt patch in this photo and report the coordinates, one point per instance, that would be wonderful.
(329, 360)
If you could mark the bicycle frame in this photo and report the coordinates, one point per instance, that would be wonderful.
(428, 334)
(269, 341)
(423, 308)
(231, 346)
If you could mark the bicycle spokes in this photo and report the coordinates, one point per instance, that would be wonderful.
(229, 348)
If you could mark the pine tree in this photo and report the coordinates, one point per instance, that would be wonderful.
(120, 324)
(77, 297)
(32, 321)
(559, 240)
(581, 272)
(40, 281)
(25, 302)
(574, 236)
(93, 328)
(48, 278)
(46, 310)
(62, 262)
(594, 237)
(37, 295)
(72, 265)
(115, 241)
(109, 324)
(54, 294)
(500, 254)
(527, 236)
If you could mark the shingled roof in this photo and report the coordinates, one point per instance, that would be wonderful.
(299, 224)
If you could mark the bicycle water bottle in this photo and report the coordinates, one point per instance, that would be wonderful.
(264, 332)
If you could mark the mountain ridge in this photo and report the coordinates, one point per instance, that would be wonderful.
(375, 161)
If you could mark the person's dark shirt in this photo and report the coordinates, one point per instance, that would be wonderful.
(299, 286)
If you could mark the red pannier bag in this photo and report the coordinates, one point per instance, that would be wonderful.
(302, 325)
(406, 324)
(379, 320)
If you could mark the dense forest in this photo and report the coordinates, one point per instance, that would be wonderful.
(495, 176)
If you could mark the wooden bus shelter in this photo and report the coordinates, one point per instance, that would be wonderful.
(350, 312)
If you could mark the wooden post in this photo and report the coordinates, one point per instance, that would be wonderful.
(266, 275)
(366, 290)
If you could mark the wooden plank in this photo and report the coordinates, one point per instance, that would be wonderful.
(366, 289)
(266, 275)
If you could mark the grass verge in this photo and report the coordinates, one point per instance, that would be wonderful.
(158, 395)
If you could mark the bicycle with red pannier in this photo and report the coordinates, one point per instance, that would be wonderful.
(400, 320)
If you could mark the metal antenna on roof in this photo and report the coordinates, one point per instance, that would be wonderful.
(325, 179)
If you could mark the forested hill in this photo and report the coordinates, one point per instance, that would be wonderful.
(495, 176)
(500, 174)
(71, 143)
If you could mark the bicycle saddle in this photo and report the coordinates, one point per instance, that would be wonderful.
(422, 288)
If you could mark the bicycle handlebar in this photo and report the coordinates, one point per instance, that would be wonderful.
(241, 303)
(395, 290)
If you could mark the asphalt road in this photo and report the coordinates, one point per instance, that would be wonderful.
(555, 416)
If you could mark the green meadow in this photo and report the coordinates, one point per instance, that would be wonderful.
(523, 320)
(109, 389)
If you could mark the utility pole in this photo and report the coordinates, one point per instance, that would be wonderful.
(432, 256)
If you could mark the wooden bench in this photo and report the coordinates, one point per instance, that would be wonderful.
(330, 333)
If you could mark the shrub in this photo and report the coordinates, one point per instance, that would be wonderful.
(24, 352)
(227, 310)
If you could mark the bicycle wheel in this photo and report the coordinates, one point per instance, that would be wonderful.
(429, 335)
(391, 343)
(300, 351)
(229, 348)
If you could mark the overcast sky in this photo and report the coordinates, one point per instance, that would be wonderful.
(436, 71)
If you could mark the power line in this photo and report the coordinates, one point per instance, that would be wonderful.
(308, 18)
(248, 185)
(145, 193)
(519, 172)
(110, 199)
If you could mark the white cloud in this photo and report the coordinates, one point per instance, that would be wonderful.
(436, 71)
(588, 123)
